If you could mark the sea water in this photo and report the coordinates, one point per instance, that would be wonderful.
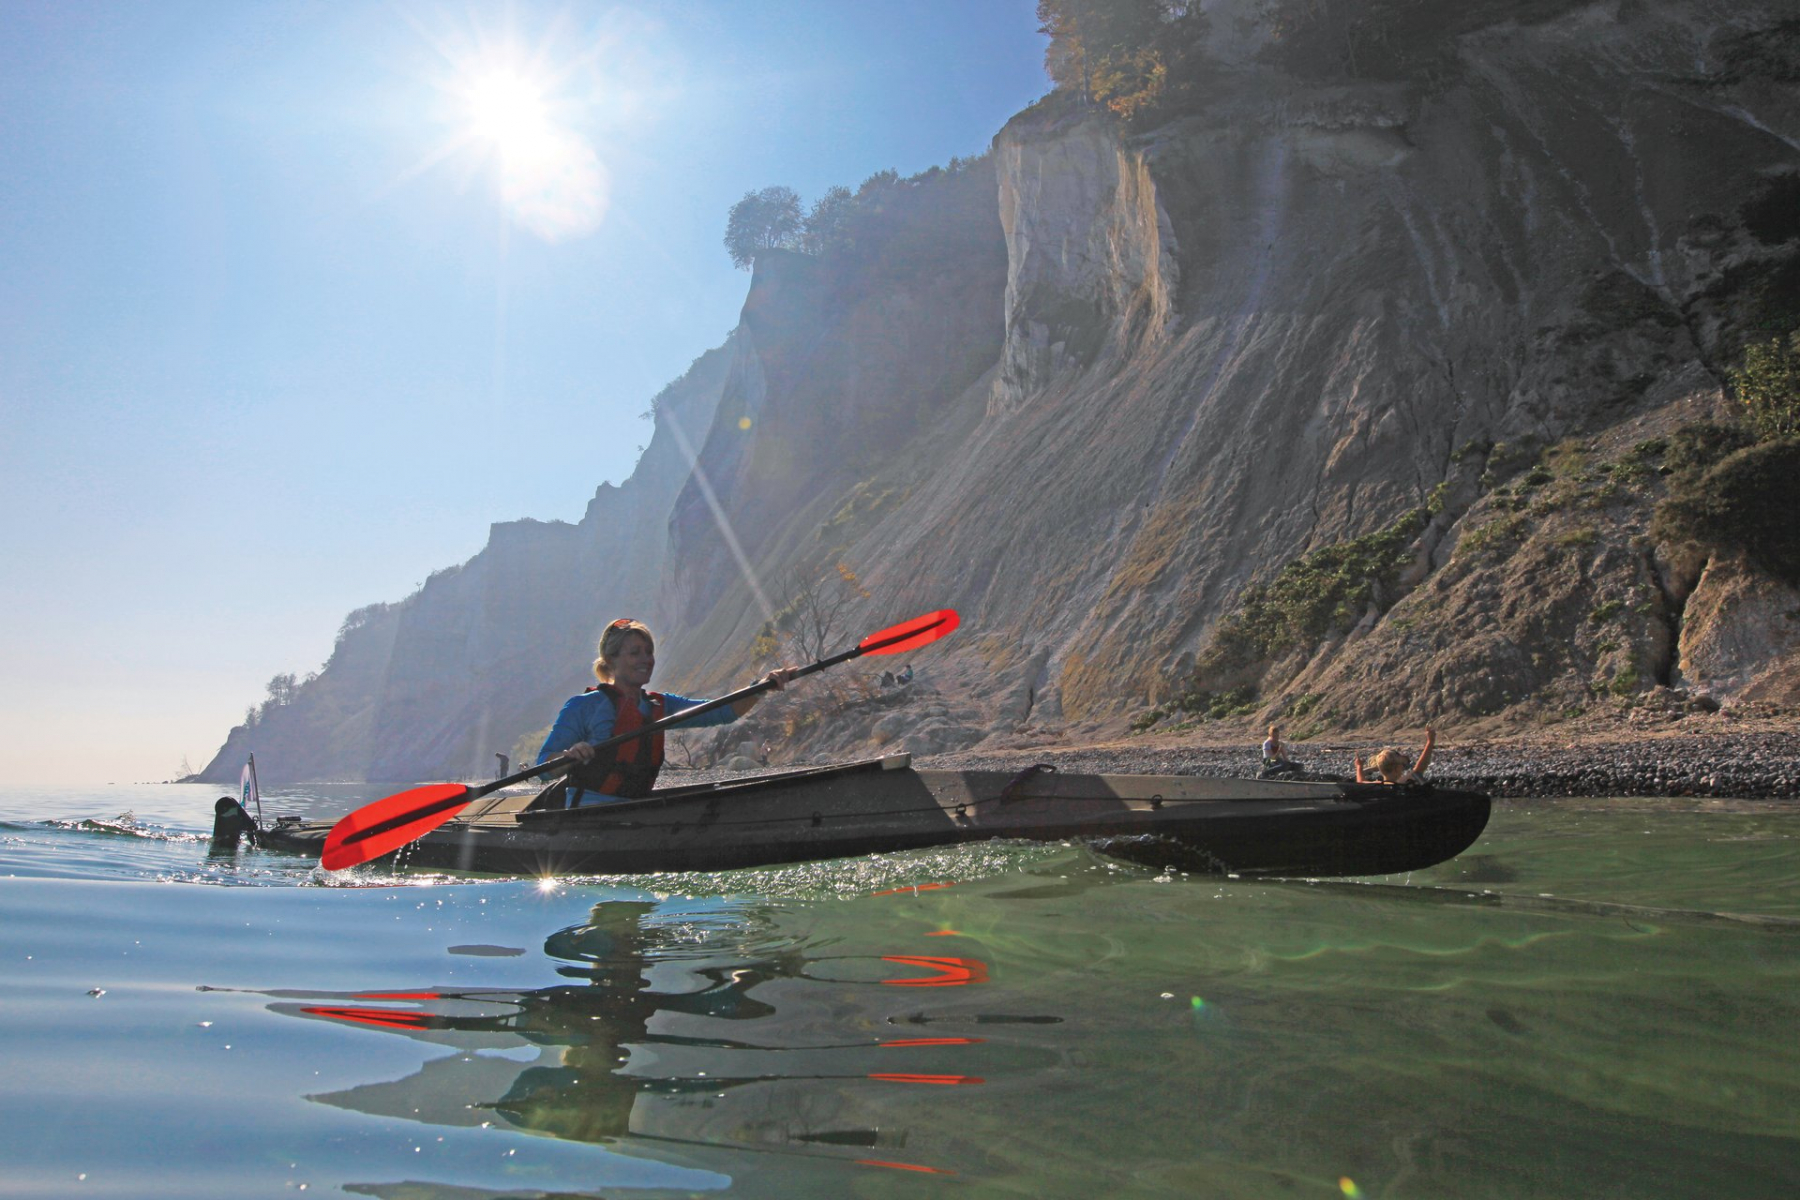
(1599, 999)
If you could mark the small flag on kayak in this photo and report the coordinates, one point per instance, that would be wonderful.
(247, 789)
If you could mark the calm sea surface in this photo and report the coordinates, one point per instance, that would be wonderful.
(1610, 1019)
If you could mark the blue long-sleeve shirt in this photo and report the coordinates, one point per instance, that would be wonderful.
(589, 718)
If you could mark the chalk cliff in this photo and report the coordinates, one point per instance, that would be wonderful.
(438, 683)
(1462, 297)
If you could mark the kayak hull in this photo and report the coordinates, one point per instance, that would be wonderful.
(1228, 826)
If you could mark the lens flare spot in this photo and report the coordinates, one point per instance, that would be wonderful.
(1348, 1186)
(1196, 1003)
(743, 422)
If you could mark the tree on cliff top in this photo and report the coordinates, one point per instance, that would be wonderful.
(1132, 56)
(765, 220)
(887, 217)
(828, 224)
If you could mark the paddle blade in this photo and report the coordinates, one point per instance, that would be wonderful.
(375, 829)
(910, 635)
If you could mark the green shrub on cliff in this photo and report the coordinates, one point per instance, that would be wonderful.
(1326, 591)
(1767, 386)
(1218, 706)
(1736, 488)
(1491, 537)
(1746, 502)
(1695, 449)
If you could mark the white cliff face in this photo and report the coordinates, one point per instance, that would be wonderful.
(1285, 321)
(1305, 311)
(439, 683)
(1091, 264)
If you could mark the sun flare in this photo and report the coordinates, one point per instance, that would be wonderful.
(526, 116)
(506, 109)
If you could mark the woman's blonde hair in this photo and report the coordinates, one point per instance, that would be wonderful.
(1391, 763)
(613, 640)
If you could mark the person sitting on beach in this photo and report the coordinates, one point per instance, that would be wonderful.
(619, 704)
(1389, 765)
(1275, 761)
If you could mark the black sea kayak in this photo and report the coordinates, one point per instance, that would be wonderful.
(1236, 826)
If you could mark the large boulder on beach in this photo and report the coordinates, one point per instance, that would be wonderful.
(1740, 635)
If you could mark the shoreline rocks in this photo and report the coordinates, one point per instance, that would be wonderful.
(1764, 765)
(1745, 765)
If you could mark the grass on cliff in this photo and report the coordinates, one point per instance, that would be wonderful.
(1325, 592)
(1767, 387)
(1736, 488)
(1731, 488)
(1745, 503)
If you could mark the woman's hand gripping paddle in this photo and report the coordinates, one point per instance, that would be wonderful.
(388, 824)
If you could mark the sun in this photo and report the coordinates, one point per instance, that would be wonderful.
(507, 110)
(549, 176)
(529, 116)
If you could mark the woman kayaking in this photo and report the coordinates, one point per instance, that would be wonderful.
(619, 704)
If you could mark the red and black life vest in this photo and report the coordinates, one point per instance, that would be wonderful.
(629, 768)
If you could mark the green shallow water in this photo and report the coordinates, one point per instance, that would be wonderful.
(1559, 1012)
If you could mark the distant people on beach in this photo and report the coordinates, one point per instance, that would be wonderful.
(1388, 765)
(1275, 760)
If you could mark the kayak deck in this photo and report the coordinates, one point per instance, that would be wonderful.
(1237, 826)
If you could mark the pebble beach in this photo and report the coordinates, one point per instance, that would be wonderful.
(1740, 755)
(1756, 760)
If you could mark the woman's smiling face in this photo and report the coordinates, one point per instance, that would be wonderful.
(635, 662)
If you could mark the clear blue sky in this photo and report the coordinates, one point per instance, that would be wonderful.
(296, 298)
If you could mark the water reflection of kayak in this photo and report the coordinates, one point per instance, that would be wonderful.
(713, 1053)
(1239, 826)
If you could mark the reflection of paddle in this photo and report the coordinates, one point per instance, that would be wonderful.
(388, 824)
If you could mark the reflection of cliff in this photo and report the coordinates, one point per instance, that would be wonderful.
(1151, 370)
(658, 1044)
